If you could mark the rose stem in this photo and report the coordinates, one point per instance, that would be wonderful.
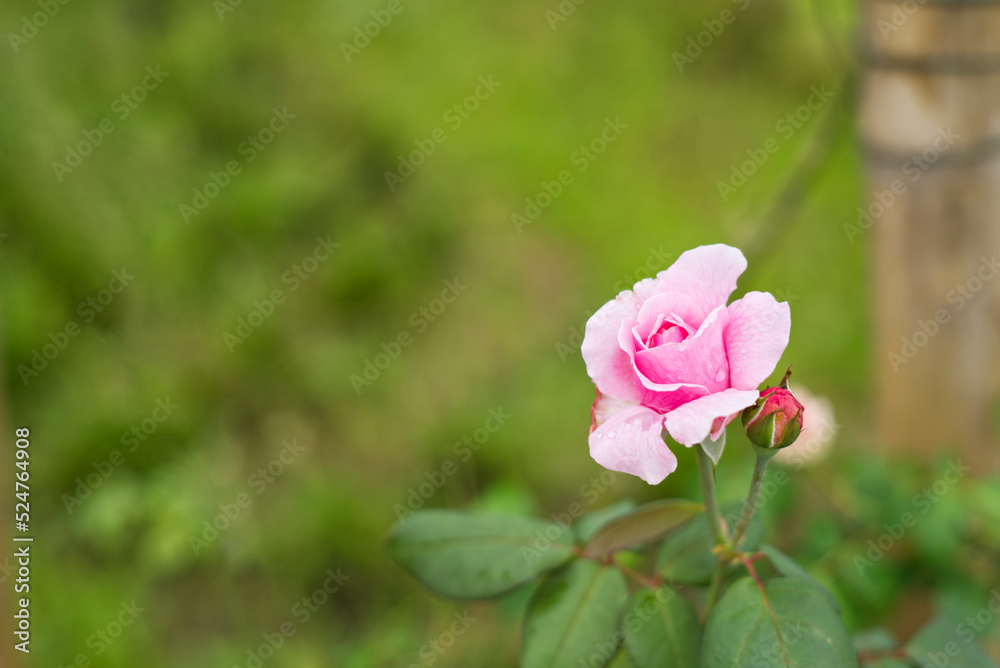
(750, 507)
(707, 475)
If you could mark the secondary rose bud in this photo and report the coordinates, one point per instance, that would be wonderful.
(775, 420)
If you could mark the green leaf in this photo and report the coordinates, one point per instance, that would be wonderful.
(643, 525)
(714, 448)
(788, 567)
(574, 617)
(942, 642)
(686, 555)
(789, 625)
(588, 525)
(662, 630)
(472, 555)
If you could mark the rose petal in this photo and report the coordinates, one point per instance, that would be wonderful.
(663, 397)
(607, 364)
(693, 422)
(605, 408)
(756, 337)
(658, 307)
(707, 274)
(699, 360)
(631, 442)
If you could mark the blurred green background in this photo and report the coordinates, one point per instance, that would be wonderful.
(508, 342)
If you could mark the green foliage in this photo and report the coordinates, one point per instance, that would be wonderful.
(785, 622)
(581, 612)
(588, 525)
(574, 617)
(789, 568)
(667, 635)
(476, 556)
(641, 526)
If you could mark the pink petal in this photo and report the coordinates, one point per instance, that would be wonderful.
(667, 304)
(756, 337)
(631, 442)
(661, 396)
(707, 274)
(699, 360)
(605, 408)
(607, 364)
(694, 421)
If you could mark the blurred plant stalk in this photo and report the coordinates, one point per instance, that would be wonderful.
(929, 119)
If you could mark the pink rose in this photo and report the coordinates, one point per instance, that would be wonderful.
(669, 354)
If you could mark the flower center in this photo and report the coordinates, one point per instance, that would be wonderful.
(667, 329)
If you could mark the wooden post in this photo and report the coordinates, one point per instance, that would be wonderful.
(930, 127)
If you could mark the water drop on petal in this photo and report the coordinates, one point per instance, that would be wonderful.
(720, 376)
(611, 434)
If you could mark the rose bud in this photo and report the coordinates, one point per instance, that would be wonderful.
(775, 420)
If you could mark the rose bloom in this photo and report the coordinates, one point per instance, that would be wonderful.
(670, 355)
